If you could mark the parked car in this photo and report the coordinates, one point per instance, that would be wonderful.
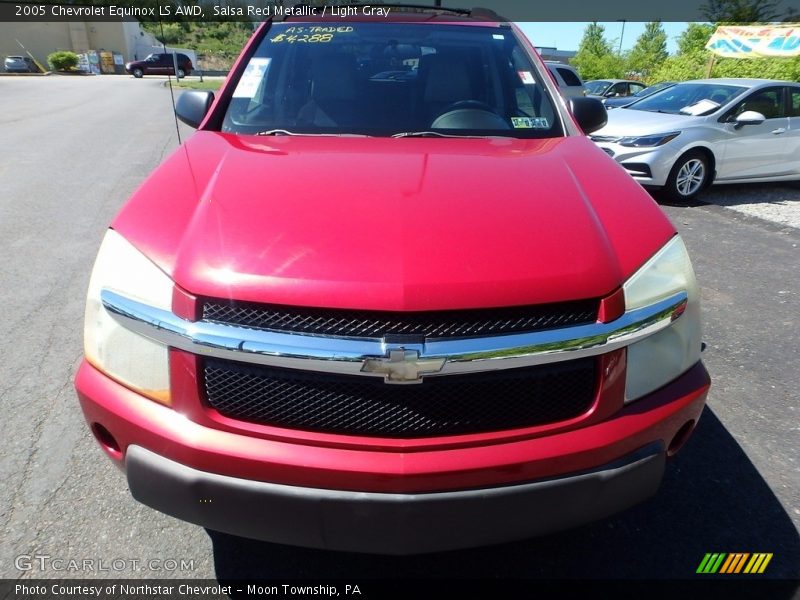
(626, 100)
(20, 64)
(160, 64)
(613, 88)
(696, 133)
(391, 314)
(567, 79)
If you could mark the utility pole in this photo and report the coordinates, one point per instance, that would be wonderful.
(622, 35)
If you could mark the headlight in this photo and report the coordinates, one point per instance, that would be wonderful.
(660, 358)
(130, 359)
(648, 141)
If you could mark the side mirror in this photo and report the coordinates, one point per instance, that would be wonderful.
(590, 113)
(749, 117)
(192, 106)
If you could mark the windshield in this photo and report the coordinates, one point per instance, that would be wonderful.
(695, 99)
(597, 87)
(649, 91)
(388, 79)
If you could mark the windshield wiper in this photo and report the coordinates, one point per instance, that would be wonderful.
(276, 132)
(403, 134)
(287, 132)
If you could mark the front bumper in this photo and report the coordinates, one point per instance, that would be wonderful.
(649, 166)
(320, 492)
(391, 523)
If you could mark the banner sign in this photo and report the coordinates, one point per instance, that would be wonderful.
(755, 41)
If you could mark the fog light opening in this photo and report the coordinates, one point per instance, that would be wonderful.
(680, 438)
(106, 440)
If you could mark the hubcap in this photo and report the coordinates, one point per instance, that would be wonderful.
(690, 177)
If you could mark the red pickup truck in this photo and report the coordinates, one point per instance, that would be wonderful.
(390, 298)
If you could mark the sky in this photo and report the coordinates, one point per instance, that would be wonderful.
(567, 36)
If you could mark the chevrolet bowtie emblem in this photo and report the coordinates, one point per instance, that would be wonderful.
(403, 366)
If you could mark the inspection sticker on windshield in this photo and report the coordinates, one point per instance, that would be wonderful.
(251, 78)
(530, 123)
(526, 77)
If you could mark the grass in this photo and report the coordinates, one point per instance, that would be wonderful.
(207, 84)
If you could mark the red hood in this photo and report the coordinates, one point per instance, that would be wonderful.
(393, 224)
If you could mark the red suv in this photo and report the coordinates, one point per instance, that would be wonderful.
(390, 298)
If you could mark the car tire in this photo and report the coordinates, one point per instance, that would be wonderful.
(137, 73)
(181, 74)
(688, 177)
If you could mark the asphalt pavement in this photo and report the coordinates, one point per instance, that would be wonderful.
(74, 148)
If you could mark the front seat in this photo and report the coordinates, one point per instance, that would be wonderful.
(334, 90)
(445, 80)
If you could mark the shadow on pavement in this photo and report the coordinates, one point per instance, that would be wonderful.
(712, 499)
(735, 194)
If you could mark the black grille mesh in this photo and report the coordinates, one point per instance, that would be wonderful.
(377, 324)
(448, 405)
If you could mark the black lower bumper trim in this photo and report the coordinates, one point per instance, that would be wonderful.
(391, 523)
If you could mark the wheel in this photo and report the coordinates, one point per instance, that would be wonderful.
(688, 177)
(138, 73)
(181, 74)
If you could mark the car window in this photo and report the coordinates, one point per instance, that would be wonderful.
(618, 89)
(597, 87)
(636, 88)
(387, 79)
(794, 102)
(569, 77)
(689, 98)
(768, 102)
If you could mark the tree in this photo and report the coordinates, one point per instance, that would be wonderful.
(694, 38)
(741, 11)
(649, 51)
(595, 58)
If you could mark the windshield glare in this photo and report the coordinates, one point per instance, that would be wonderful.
(387, 79)
(695, 99)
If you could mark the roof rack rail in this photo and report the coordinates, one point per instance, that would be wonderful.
(477, 12)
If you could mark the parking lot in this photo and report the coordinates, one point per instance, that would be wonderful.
(74, 148)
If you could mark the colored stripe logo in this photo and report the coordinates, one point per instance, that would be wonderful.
(736, 562)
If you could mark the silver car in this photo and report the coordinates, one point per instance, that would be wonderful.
(19, 64)
(700, 132)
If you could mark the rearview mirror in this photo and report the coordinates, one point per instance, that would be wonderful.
(192, 106)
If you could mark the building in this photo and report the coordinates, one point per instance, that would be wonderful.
(42, 38)
(556, 55)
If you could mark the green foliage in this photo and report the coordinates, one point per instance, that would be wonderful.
(649, 51)
(62, 60)
(219, 39)
(595, 58)
(787, 69)
(695, 37)
(594, 41)
(691, 65)
(600, 67)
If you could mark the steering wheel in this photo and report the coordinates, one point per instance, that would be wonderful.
(469, 114)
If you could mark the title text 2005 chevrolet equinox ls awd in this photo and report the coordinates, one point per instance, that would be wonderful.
(390, 298)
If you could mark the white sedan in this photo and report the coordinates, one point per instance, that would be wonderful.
(700, 132)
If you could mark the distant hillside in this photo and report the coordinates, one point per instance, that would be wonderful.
(217, 44)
